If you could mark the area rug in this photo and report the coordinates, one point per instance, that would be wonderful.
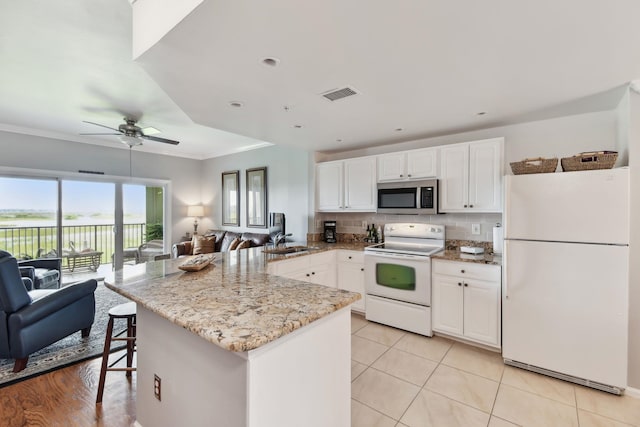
(71, 349)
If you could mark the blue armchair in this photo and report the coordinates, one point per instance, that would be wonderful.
(30, 321)
(45, 273)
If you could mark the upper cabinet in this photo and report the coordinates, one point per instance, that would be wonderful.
(405, 165)
(346, 185)
(471, 176)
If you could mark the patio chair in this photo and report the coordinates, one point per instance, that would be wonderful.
(30, 321)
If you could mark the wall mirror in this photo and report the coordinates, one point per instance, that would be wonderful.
(257, 197)
(231, 198)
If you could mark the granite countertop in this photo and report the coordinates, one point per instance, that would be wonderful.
(456, 255)
(233, 302)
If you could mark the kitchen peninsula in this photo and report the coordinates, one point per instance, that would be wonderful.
(235, 346)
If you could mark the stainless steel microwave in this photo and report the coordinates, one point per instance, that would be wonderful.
(410, 197)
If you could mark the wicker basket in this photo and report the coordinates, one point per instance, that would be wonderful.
(537, 165)
(590, 161)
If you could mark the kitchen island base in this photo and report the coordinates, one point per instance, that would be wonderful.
(302, 378)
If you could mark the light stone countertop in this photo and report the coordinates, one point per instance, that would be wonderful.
(456, 255)
(233, 302)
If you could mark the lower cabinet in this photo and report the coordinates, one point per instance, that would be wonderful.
(466, 301)
(351, 275)
(343, 269)
(315, 268)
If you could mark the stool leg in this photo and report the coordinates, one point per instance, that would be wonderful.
(130, 344)
(105, 360)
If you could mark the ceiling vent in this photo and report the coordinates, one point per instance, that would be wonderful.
(335, 94)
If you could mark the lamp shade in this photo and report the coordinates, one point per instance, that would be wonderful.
(195, 211)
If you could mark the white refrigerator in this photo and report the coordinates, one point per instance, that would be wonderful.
(565, 285)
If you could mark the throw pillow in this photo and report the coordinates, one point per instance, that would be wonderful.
(234, 244)
(203, 245)
(244, 244)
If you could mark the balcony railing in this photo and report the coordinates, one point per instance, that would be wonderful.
(33, 242)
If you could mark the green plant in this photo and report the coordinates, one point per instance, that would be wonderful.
(154, 232)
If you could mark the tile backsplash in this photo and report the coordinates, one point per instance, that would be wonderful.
(458, 225)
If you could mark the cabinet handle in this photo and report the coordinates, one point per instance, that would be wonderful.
(409, 175)
(349, 257)
(313, 272)
(462, 271)
(308, 275)
(362, 269)
(470, 206)
(401, 175)
(459, 284)
(465, 206)
(466, 284)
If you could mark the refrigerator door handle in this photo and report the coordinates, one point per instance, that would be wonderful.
(505, 271)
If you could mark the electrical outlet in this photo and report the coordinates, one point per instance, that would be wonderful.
(157, 382)
(364, 225)
(475, 229)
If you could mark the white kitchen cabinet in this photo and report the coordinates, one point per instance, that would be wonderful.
(316, 268)
(471, 176)
(346, 185)
(351, 275)
(407, 165)
(466, 301)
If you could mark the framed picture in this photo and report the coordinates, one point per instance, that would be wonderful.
(231, 198)
(257, 197)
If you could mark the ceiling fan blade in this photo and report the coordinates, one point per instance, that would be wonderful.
(157, 139)
(119, 133)
(98, 124)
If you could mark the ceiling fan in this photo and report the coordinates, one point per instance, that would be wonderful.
(130, 134)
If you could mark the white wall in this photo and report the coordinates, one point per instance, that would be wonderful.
(561, 137)
(32, 152)
(287, 179)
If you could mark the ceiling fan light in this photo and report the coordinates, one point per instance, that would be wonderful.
(131, 141)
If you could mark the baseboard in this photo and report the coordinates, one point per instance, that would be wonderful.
(632, 392)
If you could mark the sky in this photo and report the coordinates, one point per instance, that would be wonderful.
(77, 196)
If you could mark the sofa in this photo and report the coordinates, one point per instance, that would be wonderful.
(223, 242)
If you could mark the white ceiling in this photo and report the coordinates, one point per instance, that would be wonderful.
(425, 66)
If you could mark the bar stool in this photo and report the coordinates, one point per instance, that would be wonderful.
(122, 311)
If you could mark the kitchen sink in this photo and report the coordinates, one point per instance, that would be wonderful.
(287, 250)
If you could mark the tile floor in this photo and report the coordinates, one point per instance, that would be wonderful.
(402, 379)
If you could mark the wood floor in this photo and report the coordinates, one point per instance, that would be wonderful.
(66, 397)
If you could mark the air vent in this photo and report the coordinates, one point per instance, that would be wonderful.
(335, 94)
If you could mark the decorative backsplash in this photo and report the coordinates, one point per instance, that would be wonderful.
(458, 225)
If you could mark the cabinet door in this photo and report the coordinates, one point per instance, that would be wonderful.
(454, 173)
(422, 163)
(391, 167)
(485, 175)
(351, 275)
(322, 274)
(447, 304)
(329, 186)
(360, 184)
(482, 311)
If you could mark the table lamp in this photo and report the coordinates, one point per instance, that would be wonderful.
(196, 211)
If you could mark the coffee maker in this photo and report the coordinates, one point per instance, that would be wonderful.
(330, 231)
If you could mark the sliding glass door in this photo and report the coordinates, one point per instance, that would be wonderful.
(94, 226)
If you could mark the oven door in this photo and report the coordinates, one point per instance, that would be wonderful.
(401, 277)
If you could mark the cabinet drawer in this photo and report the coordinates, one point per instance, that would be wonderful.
(467, 269)
(356, 257)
